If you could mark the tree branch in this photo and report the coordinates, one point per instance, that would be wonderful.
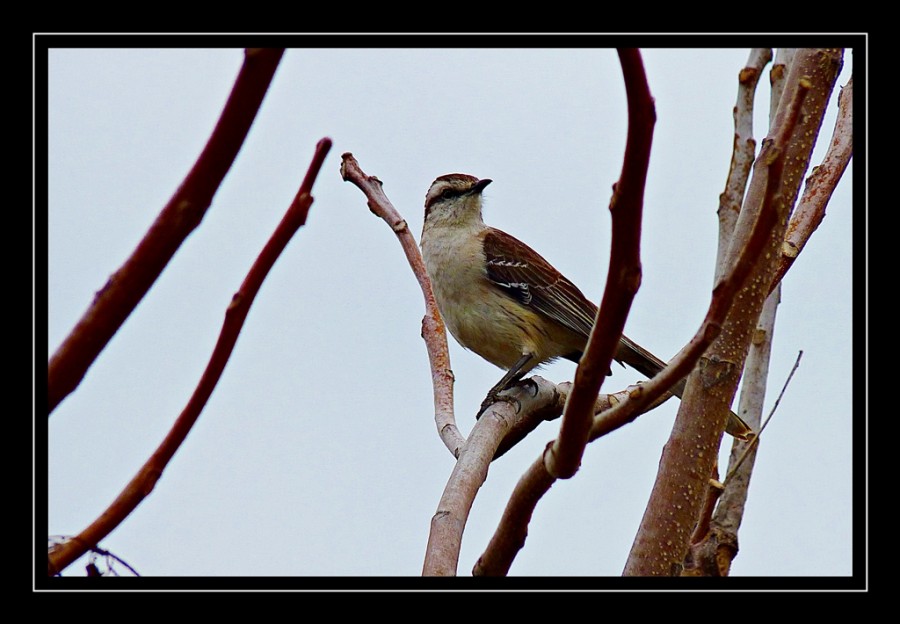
(433, 332)
(563, 457)
(127, 286)
(820, 185)
(663, 538)
(140, 486)
(509, 537)
(717, 546)
(698, 561)
(743, 151)
(470, 471)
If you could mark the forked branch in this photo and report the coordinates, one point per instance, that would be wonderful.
(678, 493)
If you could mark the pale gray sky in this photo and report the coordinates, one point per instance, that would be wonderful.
(317, 455)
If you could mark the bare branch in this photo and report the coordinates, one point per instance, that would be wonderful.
(433, 332)
(733, 469)
(127, 286)
(470, 471)
(820, 185)
(529, 420)
(663, 538)
(716, 546)
(563, 457)
(697, 561)
(144, 481)
(777, 77)
(743, 151)
(537, 401)
(702, 558)
(509, 537)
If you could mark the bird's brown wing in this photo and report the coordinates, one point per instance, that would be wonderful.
(520, 272)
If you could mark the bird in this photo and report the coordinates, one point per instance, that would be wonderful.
(504, 301)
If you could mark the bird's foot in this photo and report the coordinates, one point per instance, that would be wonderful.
(492, 398)
(495, 395)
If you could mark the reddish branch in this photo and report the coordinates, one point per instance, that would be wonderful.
(126, 287)
(563, 458)
(143, 482)
(433, 332)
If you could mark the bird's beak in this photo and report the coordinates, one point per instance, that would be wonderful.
(479, 186)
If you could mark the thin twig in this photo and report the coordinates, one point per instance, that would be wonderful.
(108, 555)
(752, 444)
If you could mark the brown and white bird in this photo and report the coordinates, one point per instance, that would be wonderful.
(502, 300)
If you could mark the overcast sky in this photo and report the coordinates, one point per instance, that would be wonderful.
(317, 454)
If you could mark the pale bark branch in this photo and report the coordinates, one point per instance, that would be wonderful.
(743, 150)
(698, 561)
(433, 331)
(509, 537)
(140, 486)
(717, 547)
(820, 185)
(470, 471)
(720, 525)
(688, 458)
(537, 401)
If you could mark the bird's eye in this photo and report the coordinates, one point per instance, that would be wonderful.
(448, 193)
